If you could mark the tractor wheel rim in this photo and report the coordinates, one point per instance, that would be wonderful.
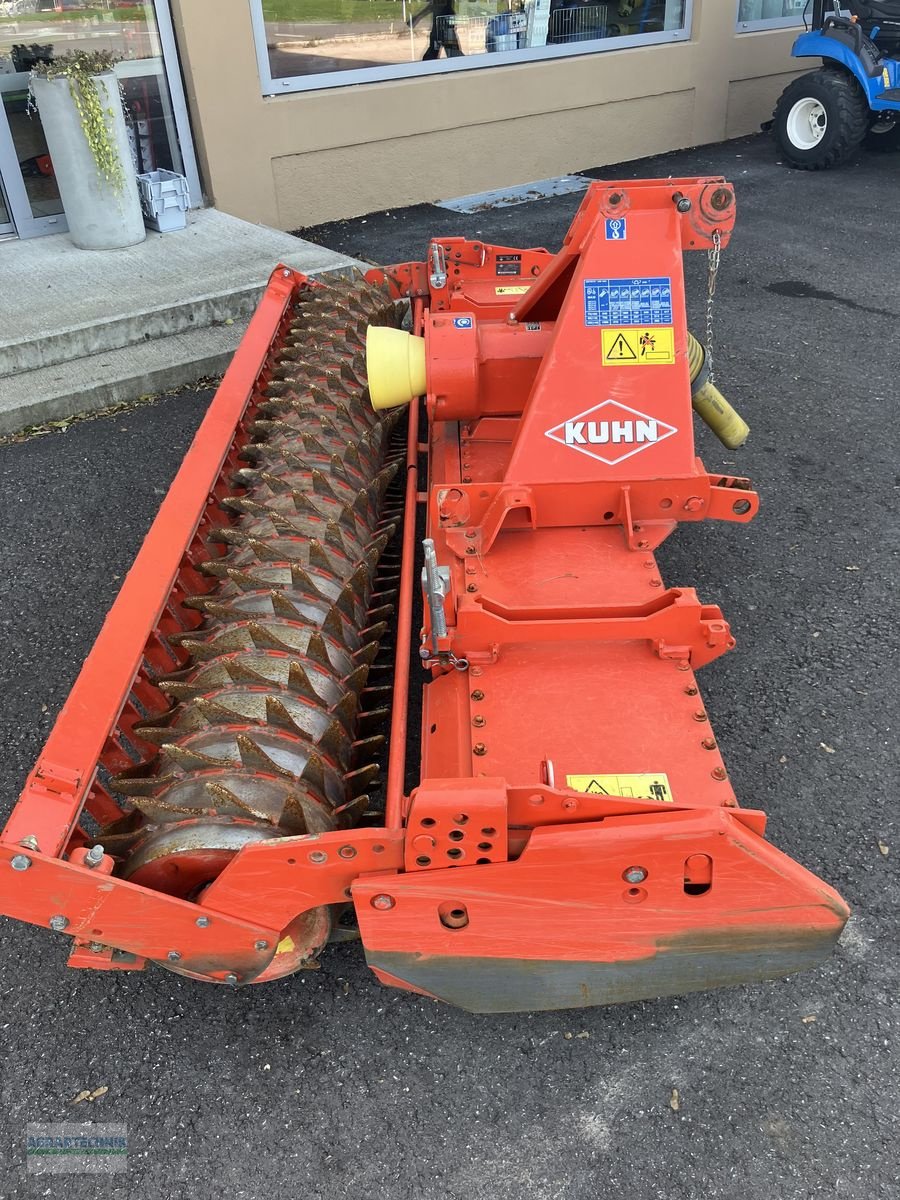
(806, 123)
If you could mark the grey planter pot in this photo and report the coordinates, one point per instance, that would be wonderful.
(99, 217)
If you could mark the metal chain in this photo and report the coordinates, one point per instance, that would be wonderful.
(714, 254)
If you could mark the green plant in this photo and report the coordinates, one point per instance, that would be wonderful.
(80, 68)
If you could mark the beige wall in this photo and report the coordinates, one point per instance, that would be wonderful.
(298, 159)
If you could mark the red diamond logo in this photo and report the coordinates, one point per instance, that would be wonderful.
(611, 432)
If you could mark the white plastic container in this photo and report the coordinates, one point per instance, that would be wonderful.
(165, 199)
(99, 216)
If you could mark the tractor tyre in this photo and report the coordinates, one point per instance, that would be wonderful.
(820, 119)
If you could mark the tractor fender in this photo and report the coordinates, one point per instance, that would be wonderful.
(830, 50)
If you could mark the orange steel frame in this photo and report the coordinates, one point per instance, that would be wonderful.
(494, 885)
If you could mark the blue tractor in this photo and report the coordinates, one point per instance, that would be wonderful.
(854, 97)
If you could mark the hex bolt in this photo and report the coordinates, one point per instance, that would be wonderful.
(700, 715)
(690, 691)
(94, 856)
(262, 944)
(479, 721)
(683, 204)
(470, 533)
(708, 743)
(96, 947)
(470, 550)
(656, 583)
(634, 874)
(472, 587)
(615, 198)
(58, 923)
(29, 843)
(20, 862)
(720, 773)
(318, 856)
(173, 956)
(231, 979)
(383, 902)
(479, 748)
(478, 694)
(203, 922)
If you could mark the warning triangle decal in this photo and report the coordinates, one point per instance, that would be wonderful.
(620, 351)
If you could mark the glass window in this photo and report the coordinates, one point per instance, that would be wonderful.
(771, 14)
(305, 44)
(41, 29)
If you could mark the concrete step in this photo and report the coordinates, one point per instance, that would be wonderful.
(129, 329)
(70, 304)
(52, 393)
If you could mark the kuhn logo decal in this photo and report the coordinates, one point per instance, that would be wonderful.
(611, 432)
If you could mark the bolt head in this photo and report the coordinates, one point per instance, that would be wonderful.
(203, 922)
(634, 874)
(96, 947)
(20, 862)
(231, 979)
(318, 856)
(262, 944)
(383, 902)
(58, 923)
(683, 205)
(173, 956)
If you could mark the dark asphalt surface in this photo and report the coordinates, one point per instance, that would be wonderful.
(326, 1085)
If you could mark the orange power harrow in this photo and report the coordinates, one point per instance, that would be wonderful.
(211, 796)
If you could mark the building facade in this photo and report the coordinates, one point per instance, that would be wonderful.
(292, 112)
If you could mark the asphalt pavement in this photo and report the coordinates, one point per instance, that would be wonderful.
(327, 1085)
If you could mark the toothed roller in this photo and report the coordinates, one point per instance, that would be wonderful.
(274, 728)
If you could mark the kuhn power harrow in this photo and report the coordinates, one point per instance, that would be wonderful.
(209, 798)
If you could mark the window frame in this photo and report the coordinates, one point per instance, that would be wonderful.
(442, 66)
(762, 23)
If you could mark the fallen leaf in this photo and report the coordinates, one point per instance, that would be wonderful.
(567, 1036)
(783, 758)
(675, 1100)
(884, 848)
(851, 568)
(98, 1092)
(808, 1019)
(81, 1096)
(828, 749)
(583, 1035)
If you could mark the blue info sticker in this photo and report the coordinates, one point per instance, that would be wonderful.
(628, 301)
(462, 322)
(616, 229)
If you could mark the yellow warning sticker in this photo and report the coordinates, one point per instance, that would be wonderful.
(518, 290)
(652, 346)
(638, 787)
(285, 946)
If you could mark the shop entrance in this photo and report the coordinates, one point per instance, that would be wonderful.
(141, 36)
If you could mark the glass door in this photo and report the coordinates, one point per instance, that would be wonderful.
(25, 166)
(34, 30)
(7, 229)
